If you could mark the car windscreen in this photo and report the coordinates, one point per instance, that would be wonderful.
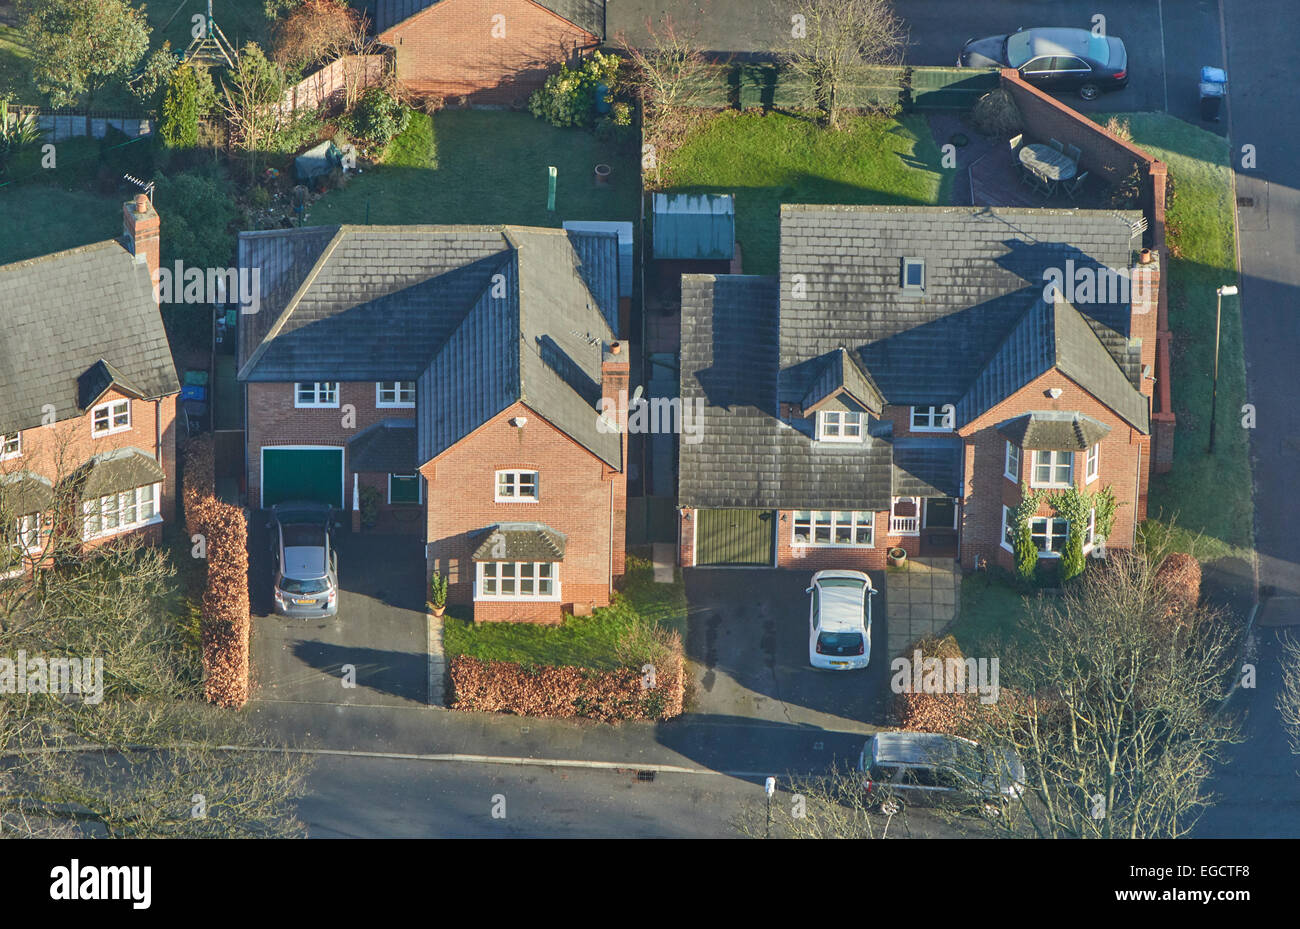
(840, 582)
(314, 586)
(1099, 49)
(840, 643)
(300, 535)
(1018, 49)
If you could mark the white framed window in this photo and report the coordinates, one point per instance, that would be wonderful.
(1008, 529)
(111, 417)
(25, 534)
(11, 446)
(933, 418)
(1091, 538)
(1049, 534)
(395, 394)
(316, 393)
(119, 512)
(1011, 465)
(518, 580)
(1053, 469)
(516, 487)
(405, 488)
(834, 528)
(912, 279)
(839, 426)
(1093, 467)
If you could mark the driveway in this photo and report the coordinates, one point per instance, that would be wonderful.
(748, 644)
(379, 633)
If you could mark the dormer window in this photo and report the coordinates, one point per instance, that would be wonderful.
(913, 275)
(839, 426)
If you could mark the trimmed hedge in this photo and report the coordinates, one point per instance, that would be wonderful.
(200, 478)
(567, 692)
(225, 621)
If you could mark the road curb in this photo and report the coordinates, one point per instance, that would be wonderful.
(437, 661)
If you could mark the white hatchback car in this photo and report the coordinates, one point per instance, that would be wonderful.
(839, 620)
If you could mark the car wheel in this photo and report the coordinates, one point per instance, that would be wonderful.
(1089, 91)
(891, 806)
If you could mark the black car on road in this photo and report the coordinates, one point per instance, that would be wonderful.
(1054, 59)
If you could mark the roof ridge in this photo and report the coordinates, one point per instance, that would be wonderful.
(78, 250)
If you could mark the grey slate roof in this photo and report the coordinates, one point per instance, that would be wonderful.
(63, 313)
(984, 270)
(842, 372)
(118, 470)
(586, 14)
(25, 492)
(927, 467)
(479, 316)
(388, 446)
(747, 457)
(1053, 336)
(521, 542)
(1054, 430)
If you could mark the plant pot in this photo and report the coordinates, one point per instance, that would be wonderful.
(602, 174)
(897, 557)
(436, 610)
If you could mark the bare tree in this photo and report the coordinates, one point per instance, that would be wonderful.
(1288, 701)
(834, 44)
(1111, 703)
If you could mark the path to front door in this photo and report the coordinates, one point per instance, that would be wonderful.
(922, 600)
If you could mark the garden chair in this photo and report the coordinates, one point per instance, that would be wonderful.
(1056, 145)
(1072, 187)
(1073, 152)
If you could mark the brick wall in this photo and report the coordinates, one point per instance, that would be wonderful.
(1109, 157)
(575, 492)
(455, 48)
(1123, 451)
(55, 452)
(274, 420)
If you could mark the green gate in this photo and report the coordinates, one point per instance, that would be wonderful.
(314, 474)
(740, 538)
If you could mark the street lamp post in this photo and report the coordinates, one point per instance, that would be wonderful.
(1227, 290)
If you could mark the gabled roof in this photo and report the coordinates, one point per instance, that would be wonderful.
(1050, 336)
(480, 317)
(62, 315)
(585, 14)
(984, 269)
(841, 373)
(521, 542)
(746, 457)
(98, 378)
(1054, 431)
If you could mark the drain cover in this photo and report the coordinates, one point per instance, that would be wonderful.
(1245, 201)
(645, 776)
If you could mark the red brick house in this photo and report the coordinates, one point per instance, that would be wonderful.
(905, 375)
(488, 51)
(458, 371)
(87, 394)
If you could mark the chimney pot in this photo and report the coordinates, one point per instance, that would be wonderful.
(141, 203)
(615, 348)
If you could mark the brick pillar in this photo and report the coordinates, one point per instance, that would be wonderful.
(141, 228)
(615, 371)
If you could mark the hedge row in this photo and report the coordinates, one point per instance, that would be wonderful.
(200, 477)
(566, 692)
(225, 620)
(747, 86)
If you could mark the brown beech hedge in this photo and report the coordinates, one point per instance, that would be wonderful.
(565, 692)
(225, 620)
(200, 477)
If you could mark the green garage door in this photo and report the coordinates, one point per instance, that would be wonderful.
(302, 474)
(735, 537)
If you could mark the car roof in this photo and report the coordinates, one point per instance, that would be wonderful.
(918, 748)
(1058, 40)
(840, 607)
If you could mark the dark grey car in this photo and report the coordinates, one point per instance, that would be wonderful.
(1054, 59)
(306, 583)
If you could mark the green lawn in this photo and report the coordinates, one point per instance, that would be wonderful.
(53, 219)
(588, 641)
(767, 160)
(481, 166)
(1205, 503)
(992, 615)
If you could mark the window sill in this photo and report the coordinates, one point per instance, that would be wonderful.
(516, 500)
(315, 406)
(501, 598)
(107, 432)
(120, 530)
(394, 406)
(863, 545)
(931, 429)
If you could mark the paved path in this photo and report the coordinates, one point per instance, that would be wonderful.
(923, 598)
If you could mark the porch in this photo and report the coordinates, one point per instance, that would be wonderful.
(932, 520)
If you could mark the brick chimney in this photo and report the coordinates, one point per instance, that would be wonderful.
(615, 370)
(1145, 307)
(140, 231)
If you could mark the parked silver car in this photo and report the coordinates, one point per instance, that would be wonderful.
(925, 768)
(305, 562)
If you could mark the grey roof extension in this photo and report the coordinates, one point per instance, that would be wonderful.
(1054, 431)
(387, 446)
(67, 313)
(118, 470)
(521, 542)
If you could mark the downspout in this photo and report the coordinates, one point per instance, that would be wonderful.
(611, 539)
(1137, 488)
